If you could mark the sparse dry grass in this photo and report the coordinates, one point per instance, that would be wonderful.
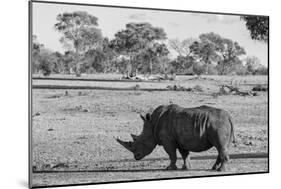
(64, 132)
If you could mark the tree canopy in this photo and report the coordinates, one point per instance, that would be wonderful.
(227, 51)
(181, 47)
(137, 39)
(79, 30)
(142, 47)
(79, 33)
(258, 27)
(137, 36)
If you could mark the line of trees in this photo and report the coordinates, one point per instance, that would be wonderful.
(139, 48)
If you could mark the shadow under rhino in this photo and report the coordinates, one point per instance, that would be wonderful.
(113, 170)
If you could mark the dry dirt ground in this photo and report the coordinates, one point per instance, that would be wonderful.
(73, 130)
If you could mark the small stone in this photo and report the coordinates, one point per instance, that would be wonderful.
(34, 168)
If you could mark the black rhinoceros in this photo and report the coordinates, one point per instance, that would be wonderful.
(186, 129)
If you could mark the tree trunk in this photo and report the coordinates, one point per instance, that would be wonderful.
(78, 69)
(128, 67)
(150, 66)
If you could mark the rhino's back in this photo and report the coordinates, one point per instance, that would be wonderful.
(191, 128)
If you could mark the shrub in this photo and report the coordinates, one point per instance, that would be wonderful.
(261, 71)
(45, 64)
(211, 69)
(199, 68)
(239, 69)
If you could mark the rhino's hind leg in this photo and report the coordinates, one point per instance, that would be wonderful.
(217, 164)
(185, 156)
(170, 148)
(220, 139)
(222, 159)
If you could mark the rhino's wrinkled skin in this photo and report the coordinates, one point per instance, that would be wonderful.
(186, 129)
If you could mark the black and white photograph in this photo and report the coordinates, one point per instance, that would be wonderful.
(122, 94)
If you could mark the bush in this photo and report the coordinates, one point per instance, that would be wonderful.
(261, 71)
(211, 69)
(90, 70)
(45, 67)
(45, 63)
(182, 65)
(199, 68)
(239, 69)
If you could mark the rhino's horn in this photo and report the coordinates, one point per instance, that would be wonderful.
(127, 145)
(135, 137)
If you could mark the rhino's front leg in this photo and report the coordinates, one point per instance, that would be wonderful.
(186, 158)
(170, 148)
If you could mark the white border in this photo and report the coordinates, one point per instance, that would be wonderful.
(14, 92)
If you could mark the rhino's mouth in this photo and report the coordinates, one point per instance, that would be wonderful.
(138, 156)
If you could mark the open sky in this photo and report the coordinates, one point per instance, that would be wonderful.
(179, 25)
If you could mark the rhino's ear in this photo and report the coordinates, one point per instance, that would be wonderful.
(142, 117)
(148, 116)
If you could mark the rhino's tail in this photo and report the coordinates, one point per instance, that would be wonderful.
(232, 138)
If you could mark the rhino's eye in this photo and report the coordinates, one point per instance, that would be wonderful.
(133, 149)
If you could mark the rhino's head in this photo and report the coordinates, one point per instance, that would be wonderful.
(143, 144)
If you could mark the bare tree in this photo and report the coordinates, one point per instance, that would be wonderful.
(181, 47)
